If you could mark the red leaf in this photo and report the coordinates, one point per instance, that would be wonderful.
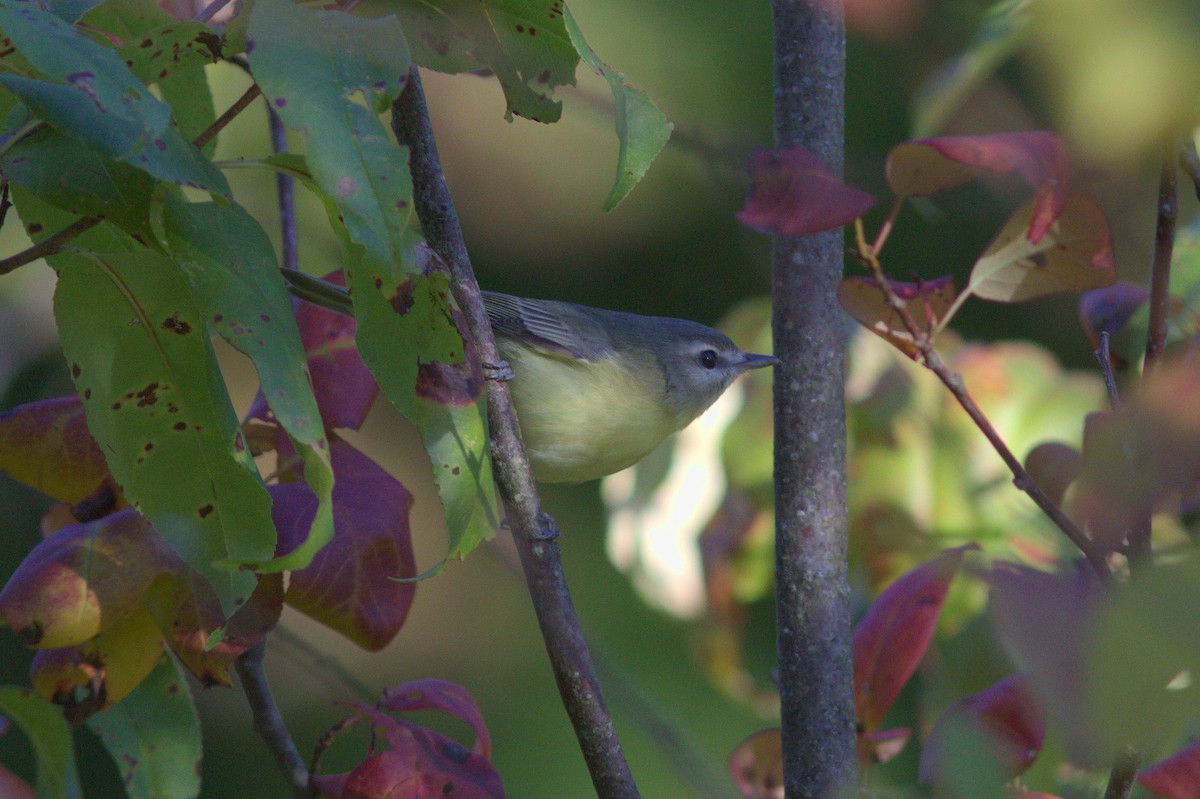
(1005, 716)
(46, 445)
(445, 696)
(77, 582)
(1176, 777)
(756, 765)
(188, 612)
(794, 194)
(928, 166)
(350, 585)
(13, 787)
(1044, 621)
(892, 637)
(928, 301)
(343, 386)
(422, 763)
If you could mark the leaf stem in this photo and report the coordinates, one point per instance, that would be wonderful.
(885, 229)
(540, 555)
(1021, 478)
(268, 722)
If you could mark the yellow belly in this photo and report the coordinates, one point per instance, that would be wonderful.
(580, 420)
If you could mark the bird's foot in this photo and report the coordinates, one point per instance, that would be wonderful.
(498, 371)
(547, 529)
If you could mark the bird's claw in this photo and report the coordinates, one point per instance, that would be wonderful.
(547, 530)
(498, 371)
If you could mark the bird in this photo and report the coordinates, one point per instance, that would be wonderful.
(594, 390)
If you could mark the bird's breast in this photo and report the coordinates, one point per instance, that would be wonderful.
(583, 420)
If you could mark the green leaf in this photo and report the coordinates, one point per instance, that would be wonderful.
(231, 268)
(65, 173)
(153, 736)
(91, 95)
(312, 66)
(642, 129)
(524, 42)
(51, 740)
(139, 352)
(433, 384)
(309, 64)
(71, 10)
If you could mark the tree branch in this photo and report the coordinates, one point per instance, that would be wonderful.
(1123, 775)
(812, 588)
(268, 722)
(1164, 246)
(540, 555)
(933, 362)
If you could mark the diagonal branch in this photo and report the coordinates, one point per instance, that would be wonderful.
(268, 722)
(540, 556)
(933, 362)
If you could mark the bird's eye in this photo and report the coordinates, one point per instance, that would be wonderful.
(708, 359)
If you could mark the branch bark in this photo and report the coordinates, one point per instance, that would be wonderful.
(531, 529)
(812, 594)
(268, 722)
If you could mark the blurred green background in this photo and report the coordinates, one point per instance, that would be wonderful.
(528, 196)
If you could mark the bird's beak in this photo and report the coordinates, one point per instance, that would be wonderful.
(752, 361)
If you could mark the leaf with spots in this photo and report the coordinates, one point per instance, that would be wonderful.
(314, 68)
(523, 42)
(46, 445)
(87, 92)
(163, 50)
(48, 733)
(158, 407)
(153, 736)
(432, 381)
(230, 265)
(97, 674)
(351, 585)
(642, 129)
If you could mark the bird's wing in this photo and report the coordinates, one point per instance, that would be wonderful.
(541, 324)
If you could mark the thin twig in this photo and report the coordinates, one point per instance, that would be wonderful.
(1123, 775)
(210, 10)
(49, 246)
(540, 556)
(250, 95)
(285, 190)
(1021, 478)
(1103, 355)
(1160, 276)
(268, 722)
